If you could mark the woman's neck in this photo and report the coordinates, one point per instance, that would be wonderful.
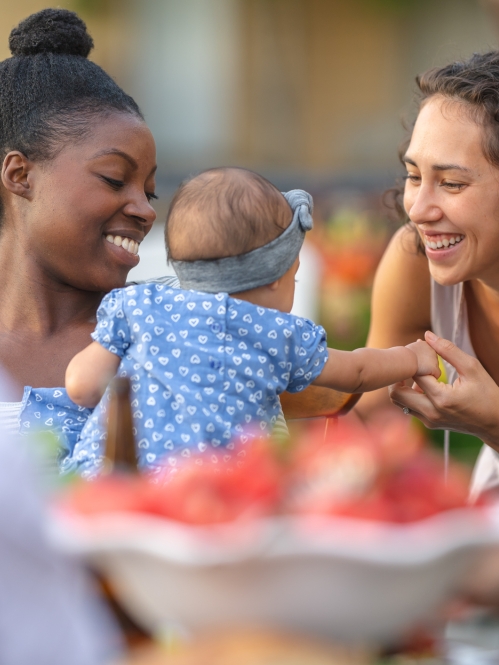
(43, 321)
(485, 294)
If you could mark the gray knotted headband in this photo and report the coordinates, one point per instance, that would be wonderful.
(261, 266)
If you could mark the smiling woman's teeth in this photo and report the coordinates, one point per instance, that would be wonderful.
(131, 246)
(443, 242)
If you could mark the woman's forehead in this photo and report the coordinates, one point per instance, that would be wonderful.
(120, 130)
(114, 135)
(446, 133)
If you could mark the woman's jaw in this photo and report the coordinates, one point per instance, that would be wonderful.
(456, 262)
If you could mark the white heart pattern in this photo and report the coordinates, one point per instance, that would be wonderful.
(206, 400)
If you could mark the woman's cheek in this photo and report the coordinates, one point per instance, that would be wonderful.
(408, 201)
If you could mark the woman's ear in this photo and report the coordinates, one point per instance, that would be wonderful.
(15, 170)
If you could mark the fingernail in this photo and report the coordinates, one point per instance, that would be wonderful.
(431, 336)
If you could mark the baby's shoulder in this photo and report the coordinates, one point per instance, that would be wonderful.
(155, 300)
(146, 291)
(140, 298)
(246, 312)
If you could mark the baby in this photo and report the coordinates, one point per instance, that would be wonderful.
(207, 368)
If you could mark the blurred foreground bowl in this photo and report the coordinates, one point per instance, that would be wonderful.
(334, 578)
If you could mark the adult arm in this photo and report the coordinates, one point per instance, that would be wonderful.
(89, 373)
(401, 312)
(469, 405)
(400, 306)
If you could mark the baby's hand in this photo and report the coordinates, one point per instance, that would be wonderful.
(427, 359)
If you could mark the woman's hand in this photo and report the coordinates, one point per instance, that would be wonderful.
(427, 359)
(469, 405)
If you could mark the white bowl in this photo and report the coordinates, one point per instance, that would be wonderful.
(337, 578)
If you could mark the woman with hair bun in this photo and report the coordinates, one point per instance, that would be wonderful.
(76, 185)
(441, 270)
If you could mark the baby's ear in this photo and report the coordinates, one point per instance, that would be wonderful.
(273, 286)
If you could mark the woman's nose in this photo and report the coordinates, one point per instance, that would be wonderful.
(141, 209)
(422, 205)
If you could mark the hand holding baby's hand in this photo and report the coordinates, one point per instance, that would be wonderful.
(427, 359)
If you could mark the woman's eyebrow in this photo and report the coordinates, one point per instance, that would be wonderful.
(439, 167)
(450, 167)
(408, 160)
(119, 153)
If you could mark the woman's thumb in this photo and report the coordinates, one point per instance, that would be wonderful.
(450, 352)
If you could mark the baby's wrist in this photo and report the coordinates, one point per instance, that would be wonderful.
(412, 359)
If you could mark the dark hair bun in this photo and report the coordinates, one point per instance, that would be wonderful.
(51, 31)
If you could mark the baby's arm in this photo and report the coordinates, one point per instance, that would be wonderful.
(369, 369)
(88, 374)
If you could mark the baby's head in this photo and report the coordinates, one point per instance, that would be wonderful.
(224, 212)
(220, 233)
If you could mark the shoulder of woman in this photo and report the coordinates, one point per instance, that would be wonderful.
(401, 300)
(405, 246)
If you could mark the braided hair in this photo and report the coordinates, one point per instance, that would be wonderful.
(49, 91)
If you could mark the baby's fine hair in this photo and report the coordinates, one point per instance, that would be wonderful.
(223, 212)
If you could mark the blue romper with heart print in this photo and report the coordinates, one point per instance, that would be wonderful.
(205, 370)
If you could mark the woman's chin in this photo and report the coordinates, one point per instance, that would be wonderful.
(102, 283)
(446, 276)
(116, 281)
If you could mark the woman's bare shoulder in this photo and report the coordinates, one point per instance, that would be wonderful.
(401, 299)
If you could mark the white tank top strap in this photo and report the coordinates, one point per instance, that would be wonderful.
(449, 319)
(10, 413)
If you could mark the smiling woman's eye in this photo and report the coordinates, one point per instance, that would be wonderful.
(116, 184)
(457, 186)
(119, 184)
(412, 177)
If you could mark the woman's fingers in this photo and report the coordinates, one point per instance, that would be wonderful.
(468, 405)
(431, 387)
(417, 402)
(463, 362)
